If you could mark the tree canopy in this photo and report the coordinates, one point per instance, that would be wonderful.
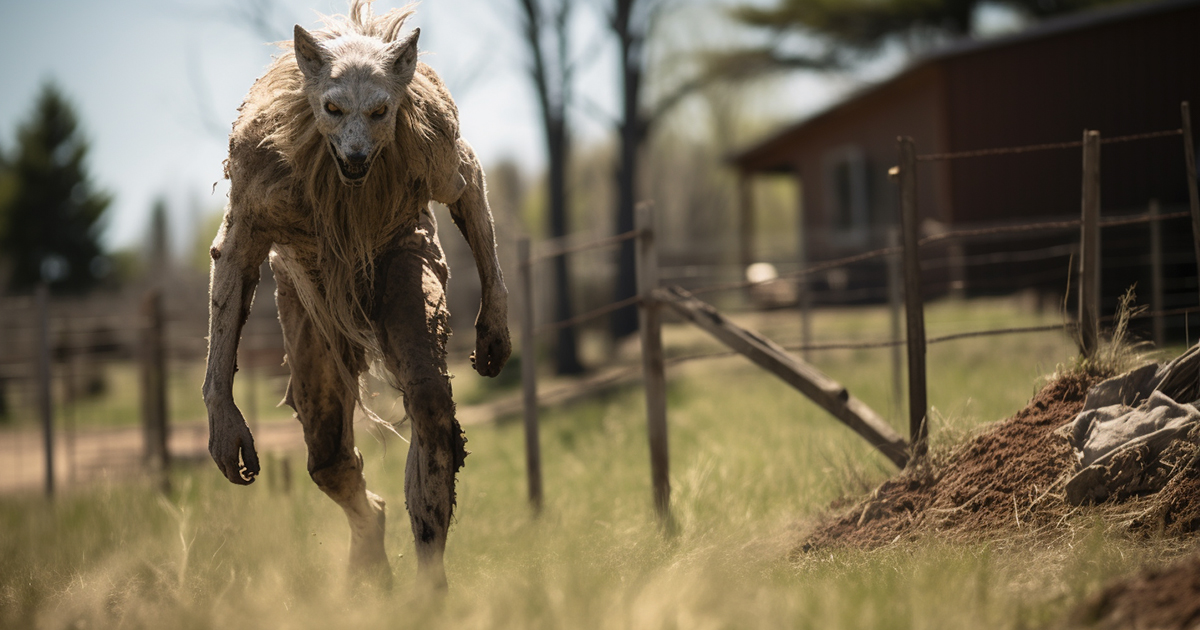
(50, 211)
(863, 26)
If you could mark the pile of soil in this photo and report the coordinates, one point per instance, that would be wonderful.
(1163, 598)
(1008, 476)
(1012, 475)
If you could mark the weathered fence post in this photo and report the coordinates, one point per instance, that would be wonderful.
(803, 282)
(45, 404)
(746, 223)
(652, 363)
(1156, 274)
(154, 388)
(1089, 240)
(1189, 156)
(914, 308)
(895, 305)
(533, 452)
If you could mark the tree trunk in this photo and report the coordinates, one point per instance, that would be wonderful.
(632, 129)
(566, 358)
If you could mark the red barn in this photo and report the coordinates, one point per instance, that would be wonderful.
(1120, 71)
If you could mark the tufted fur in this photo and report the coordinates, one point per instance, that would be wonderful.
(328, 233)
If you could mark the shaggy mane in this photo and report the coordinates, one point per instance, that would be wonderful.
(329, 234)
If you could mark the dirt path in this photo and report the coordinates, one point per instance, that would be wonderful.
(96, 454)
(92, 455)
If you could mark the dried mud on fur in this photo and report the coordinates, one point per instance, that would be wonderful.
(1011, 476)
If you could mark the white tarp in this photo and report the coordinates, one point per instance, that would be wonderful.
(1127, 424)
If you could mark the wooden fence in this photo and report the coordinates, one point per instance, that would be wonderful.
(804, 377)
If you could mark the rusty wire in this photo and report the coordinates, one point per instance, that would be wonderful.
(847, 260)
(590, 315)
(1029, 148)
(556, 248)
(934, 238)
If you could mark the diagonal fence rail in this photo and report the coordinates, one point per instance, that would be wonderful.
(802, 376)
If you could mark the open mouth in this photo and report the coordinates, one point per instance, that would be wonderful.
(353, 174)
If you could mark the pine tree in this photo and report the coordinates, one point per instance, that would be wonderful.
(50, 211)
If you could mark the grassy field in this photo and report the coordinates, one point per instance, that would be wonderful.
(752, 462)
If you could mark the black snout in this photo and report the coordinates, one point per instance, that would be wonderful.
(357, 158)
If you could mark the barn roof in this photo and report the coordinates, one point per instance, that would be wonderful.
(761, 155)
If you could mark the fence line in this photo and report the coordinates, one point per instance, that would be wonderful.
(1029, 148)
(844, 261)
(558, 247)
(928, 263)
(805, 377)
(590, 315)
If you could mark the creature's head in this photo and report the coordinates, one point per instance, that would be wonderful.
(355, 85)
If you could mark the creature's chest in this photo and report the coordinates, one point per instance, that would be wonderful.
(315, 235)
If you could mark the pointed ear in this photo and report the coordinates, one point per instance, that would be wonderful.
(404, 56)
(311, 58)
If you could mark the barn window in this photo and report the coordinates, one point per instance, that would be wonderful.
(846, 193)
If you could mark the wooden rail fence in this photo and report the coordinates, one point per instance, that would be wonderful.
(801, 375)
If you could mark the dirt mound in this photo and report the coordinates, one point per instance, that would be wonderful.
(1000, 478)
(1162, 598)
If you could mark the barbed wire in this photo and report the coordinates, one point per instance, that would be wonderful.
(821, 266)
(590, 315)
(1029, 148)
(559, 247)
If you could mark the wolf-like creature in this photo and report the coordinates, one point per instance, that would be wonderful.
(335, 156)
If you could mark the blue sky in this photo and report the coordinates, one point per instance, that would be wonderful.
(157, 84)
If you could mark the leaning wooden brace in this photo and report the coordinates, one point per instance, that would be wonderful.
(336, 153)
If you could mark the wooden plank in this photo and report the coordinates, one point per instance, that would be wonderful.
(653, 371)
(533, 450)
(805, 378)
(1189, 156)
(1089, 255)
(914, 306)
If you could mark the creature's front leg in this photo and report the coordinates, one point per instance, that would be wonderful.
(236, 254)
(474, 219)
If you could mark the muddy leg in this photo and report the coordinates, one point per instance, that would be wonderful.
(326, 410)
(411, 324)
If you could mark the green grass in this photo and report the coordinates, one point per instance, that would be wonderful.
(751, 462)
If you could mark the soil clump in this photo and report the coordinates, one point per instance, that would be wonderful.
(1166, 598)
(1004, 477)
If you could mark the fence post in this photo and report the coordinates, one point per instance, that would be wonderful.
(652, 363)
(45, 403)
(746, 223)
(803, 283)
(1156, 274)
(533, 452)
(154, 388)
(1089, 256)
(895, 306)
(914, 308)
(1189, 156)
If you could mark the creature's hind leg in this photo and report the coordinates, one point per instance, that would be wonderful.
(411, 325)
(326, 410)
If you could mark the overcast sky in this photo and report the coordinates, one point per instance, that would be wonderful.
(157, 84)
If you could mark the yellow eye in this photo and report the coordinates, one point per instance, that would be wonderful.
(379, 111)
(333, 109)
